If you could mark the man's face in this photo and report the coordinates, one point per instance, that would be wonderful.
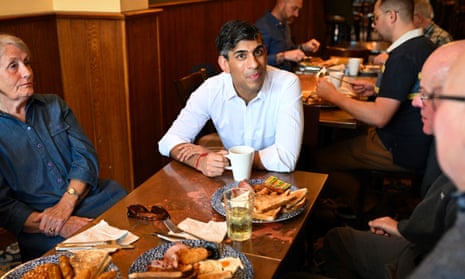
(379, 22)
(430, 84)
(291, 10)
(247, 65)
(449, 127)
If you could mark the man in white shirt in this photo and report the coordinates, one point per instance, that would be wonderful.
(249, 103)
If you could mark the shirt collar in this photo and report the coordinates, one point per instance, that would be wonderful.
(407, 36)
(274, 20)
(265, 87)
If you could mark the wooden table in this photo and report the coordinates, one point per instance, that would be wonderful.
(185, 192)
(332, 116)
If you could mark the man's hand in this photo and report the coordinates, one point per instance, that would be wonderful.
(213, 164)
(325, 89)
(384, 226)
(295, 55)
(363, 87)
(311, 46)
(381, 58)
(186, 150)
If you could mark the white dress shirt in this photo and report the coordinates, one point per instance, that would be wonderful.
(272, 122)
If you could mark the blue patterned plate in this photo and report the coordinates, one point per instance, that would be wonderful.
(142, 262)
(20, 270)
(217, 202)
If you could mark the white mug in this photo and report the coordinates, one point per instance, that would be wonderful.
(241, 159)
(354, 65)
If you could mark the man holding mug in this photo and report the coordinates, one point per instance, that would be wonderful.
(249, 103)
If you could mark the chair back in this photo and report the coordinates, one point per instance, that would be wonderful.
(187, 84)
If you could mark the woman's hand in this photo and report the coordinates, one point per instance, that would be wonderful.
(73, 224)
(53, 218)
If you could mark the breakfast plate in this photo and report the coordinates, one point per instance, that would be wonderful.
(217, 203)
(142, 262)
(20, 270)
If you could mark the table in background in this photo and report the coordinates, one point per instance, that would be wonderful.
(185, 192)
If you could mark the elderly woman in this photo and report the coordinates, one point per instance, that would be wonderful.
(49, 185)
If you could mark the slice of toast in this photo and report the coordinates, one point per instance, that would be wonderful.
(264, 203)
(94, 261)
(269, 215)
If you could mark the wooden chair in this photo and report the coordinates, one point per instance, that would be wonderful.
(185, 86)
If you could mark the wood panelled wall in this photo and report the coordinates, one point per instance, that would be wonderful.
(188, 32)
(39, 32)
(116, 70)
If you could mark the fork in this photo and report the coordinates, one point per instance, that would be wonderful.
(175, 229)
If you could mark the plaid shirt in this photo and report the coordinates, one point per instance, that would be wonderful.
(436, 34)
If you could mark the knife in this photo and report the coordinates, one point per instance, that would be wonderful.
(155, 275)
(106, 244)
(167, 237)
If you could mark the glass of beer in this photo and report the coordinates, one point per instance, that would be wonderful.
(238, 204)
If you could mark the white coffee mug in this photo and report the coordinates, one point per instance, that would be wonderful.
(354, 66)
(241, 159)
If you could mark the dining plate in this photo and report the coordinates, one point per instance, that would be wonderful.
(142, 262)
(20, 270)
(217, 202)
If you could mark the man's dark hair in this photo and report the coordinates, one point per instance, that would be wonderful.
(404, 8)
(234, 31)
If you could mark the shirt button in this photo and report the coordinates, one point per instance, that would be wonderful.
(59, 180)
(49, 164)
(29, 128)
(39, 145)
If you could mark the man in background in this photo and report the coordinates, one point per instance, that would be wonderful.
(423, 18)
(274, 26)
(395, 140)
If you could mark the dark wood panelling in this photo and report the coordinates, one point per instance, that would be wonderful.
(94, 79)
(39, 33)
(145, 98)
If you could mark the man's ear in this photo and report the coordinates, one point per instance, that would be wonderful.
(224, 64)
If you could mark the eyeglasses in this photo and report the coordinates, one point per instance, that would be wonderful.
(375, 17)
(430, 97)
(155, 213)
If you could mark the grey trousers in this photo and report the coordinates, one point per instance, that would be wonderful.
(351, 253)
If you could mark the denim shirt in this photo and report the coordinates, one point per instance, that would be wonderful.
(39, 157)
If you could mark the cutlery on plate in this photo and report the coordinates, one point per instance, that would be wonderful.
(92, 245)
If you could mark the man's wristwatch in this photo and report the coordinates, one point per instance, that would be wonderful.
(73, 192)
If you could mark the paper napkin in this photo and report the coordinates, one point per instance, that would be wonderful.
(103, 231)
(211, 231)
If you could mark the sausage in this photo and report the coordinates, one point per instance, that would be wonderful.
(65, 267)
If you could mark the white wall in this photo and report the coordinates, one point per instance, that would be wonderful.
(18, 7)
